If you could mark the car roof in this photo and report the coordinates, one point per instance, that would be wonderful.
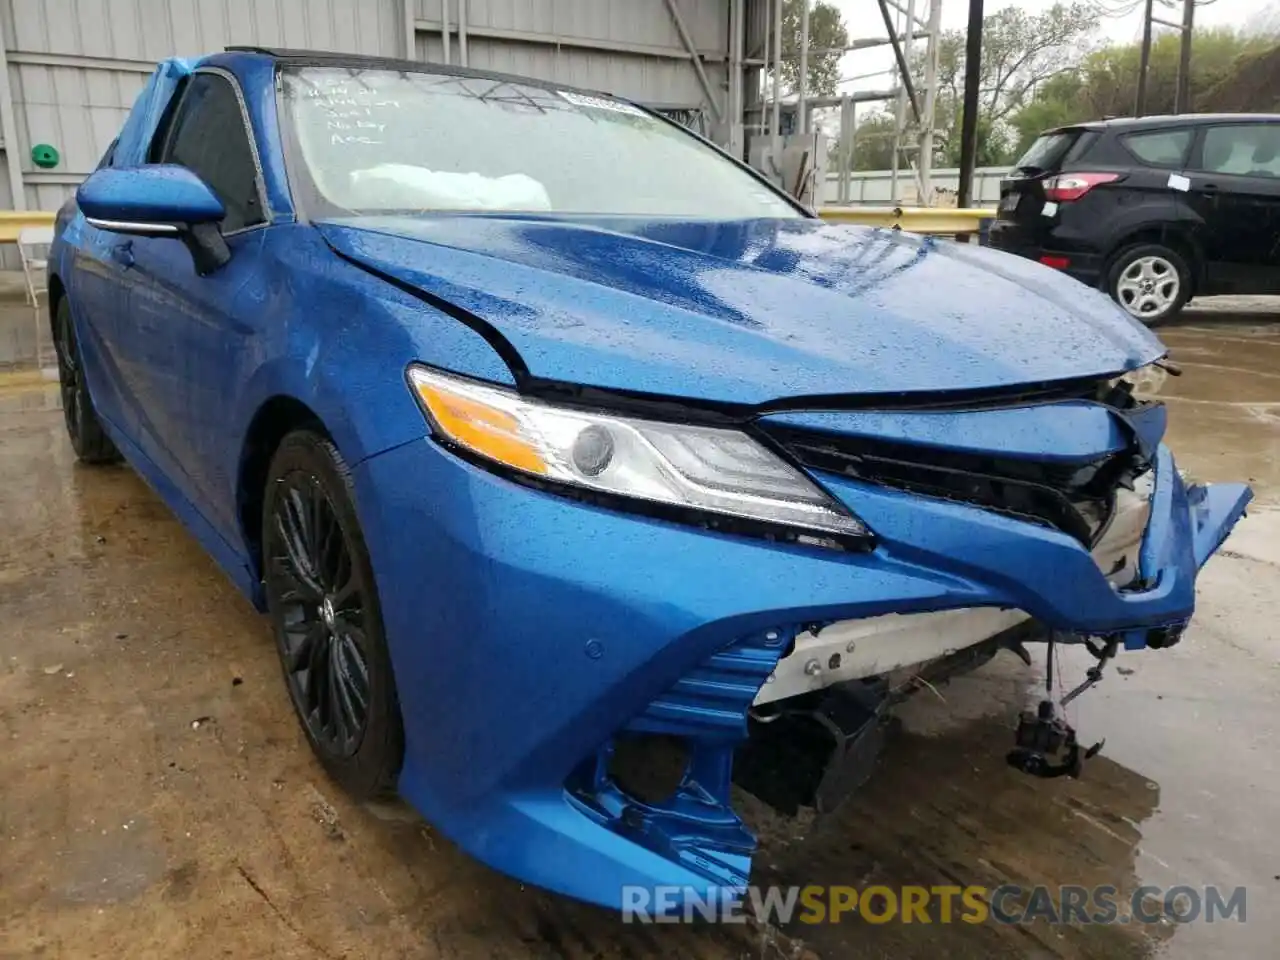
(329, 58)
(1168, 121)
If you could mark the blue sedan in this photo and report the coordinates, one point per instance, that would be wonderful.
(582, 473)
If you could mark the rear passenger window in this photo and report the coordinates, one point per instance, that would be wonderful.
(208, 137)
(1160, 148)
(1247, 149)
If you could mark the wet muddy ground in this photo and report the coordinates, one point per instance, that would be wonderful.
(158, 800)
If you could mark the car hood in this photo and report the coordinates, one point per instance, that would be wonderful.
(751, 311)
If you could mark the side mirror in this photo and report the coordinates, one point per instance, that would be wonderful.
(158, 200)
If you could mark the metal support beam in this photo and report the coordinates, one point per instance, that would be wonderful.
(969, 108)
(737, 43)
(776, 150)
(463, 17)
(410, 10)
(444, 29)
(912, 20)
(9, 130)
(924, 160)
(900, 105)
(904, 68)
(676, 17)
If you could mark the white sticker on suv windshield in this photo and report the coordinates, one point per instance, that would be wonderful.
(600, 103)
(1178, 182)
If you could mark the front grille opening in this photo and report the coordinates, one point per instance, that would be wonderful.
(1076, 498)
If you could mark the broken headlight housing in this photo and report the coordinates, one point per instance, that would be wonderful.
(713, 471)
(1145, 382)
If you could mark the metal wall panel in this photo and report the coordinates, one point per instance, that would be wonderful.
(641, 23)
(76, 109)
(653, 80)
(149, 30)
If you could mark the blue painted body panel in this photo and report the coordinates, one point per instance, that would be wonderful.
(527, 629)
(762, 309)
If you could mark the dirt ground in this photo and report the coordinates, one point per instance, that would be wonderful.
(157, 798)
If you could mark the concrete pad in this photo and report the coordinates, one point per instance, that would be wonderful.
(157, 797)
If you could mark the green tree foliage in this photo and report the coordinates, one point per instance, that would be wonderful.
(1105, 82)
(826, 33)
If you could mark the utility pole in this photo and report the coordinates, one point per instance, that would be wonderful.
(1144, 61)
(1182, 101)
(969, 109)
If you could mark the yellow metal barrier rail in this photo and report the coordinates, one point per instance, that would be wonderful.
(942, 220)
(945, 220)
(13, 221)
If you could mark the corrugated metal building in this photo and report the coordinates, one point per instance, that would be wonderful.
(73, 67)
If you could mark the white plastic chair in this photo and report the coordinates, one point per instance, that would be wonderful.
(33, 248)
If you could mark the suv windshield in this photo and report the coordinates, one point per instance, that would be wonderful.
(380, 141)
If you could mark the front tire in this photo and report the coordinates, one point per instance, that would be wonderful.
(1150, 281)
(84, 429)
(325, 612)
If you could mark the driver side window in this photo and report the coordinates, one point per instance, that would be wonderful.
(208, 137)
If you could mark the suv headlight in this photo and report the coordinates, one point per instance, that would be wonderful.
(711, 470)
(1144, 382)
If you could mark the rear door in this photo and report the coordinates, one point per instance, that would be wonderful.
(1235, 189)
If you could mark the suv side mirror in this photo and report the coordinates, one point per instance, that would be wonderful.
(158, 200)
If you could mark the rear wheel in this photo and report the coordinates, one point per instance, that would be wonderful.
(84, 429)
(328, 623)
(1150, 281)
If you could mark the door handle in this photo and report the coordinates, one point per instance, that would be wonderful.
(1209, 187)
(122, 253)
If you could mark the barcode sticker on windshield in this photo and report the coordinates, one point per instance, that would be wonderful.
(600, 103)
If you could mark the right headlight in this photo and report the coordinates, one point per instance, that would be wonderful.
(710, 470)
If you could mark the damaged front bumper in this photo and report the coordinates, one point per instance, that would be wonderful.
(534, 637)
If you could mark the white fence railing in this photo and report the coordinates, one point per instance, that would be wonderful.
(876, 187)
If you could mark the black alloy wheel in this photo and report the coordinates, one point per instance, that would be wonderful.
(328, 626)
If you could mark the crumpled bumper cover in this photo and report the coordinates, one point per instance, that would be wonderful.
(528, 631)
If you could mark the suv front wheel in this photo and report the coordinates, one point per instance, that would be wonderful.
(1151, 281)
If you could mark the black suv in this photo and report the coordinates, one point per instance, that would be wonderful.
(1153, 210)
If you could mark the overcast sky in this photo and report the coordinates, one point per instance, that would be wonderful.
(1125, 24)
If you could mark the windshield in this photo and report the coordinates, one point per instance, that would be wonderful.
(379, 141)
(1046, 152)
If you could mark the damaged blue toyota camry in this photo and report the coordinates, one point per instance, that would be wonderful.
(582, 474)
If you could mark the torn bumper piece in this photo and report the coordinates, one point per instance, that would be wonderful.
(537, 639)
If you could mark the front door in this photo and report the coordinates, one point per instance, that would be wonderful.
(1235, 187)
(189, 331)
